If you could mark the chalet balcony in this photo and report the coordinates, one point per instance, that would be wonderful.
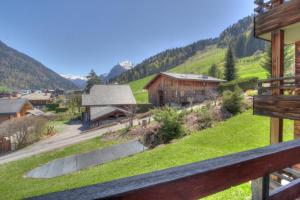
(201, 179)
(278, 97)
(278, 15)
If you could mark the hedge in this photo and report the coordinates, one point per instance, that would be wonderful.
(60, 110)
(52, 106)
(243, 83)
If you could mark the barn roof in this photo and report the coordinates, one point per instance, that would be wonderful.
(12, 106)
(191, 77)
(100, 111)
(108, 95)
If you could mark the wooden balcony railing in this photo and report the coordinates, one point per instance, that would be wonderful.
(199, 179)
(286, 85)
(278, 97)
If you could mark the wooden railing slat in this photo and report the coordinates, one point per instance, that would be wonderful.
(290, 191)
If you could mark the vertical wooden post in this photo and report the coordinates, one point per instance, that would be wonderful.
(276, 126)
(297, 73)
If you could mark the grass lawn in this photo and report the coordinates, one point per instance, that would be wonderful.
(239, 133)
(139, 93)
(58, 125)
(202, 61)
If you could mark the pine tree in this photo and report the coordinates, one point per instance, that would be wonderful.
(214, 71)
(230, 70)
(266, 62)
(92, 79)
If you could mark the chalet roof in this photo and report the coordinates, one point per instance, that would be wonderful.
(12, 106)
(37, 96)
(100, 111)
(191, 77)
(108, 95)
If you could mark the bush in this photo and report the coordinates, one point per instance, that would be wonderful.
(61, 110)
(170, 121)
(205, 117)
(52, 106)
(251, 93)
(66, 116)
(233, 101)
(24, 130)
(243, 83)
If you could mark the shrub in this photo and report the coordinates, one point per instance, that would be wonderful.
(66, 116)
(61, 110)
(251, 93)
(233, 101)
(205, 117)
(170, 121)
(25, 130)
(52, 106)
(243, 83)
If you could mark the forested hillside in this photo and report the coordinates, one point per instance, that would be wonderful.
(239, 36)
(163, 61)
(19, 71)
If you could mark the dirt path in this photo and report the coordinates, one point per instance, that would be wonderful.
(71, 134)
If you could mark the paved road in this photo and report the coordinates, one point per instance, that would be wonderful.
(70, 135)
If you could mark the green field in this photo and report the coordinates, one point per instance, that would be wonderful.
(233, 135)
(137, 86)
(200, 64)
(202, 61)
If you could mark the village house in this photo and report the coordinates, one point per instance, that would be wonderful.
(170, 88)
(107, 103)
(14, 108)
(38, 99)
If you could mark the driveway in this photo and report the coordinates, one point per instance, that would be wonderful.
(71, 134)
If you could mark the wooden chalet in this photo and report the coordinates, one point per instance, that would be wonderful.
(277, 21)
(170, 88)
(106, 103)
(14, 108)
(38, 99)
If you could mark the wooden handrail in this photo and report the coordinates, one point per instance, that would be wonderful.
(279, 79)
(194, 180)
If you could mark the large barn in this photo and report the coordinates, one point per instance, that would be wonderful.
(170, 88)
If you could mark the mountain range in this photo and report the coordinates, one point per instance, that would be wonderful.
(117, 70)
(19, 71)
(79, 81)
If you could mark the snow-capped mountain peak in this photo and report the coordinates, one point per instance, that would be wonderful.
(73, 77)
(79, 81)
(126, 64)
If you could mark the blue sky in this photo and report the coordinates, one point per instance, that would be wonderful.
(74, 36)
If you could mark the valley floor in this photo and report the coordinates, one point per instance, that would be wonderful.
(239, 133)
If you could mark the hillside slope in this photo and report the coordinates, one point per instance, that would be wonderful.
(19, 71)
(238, 35)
